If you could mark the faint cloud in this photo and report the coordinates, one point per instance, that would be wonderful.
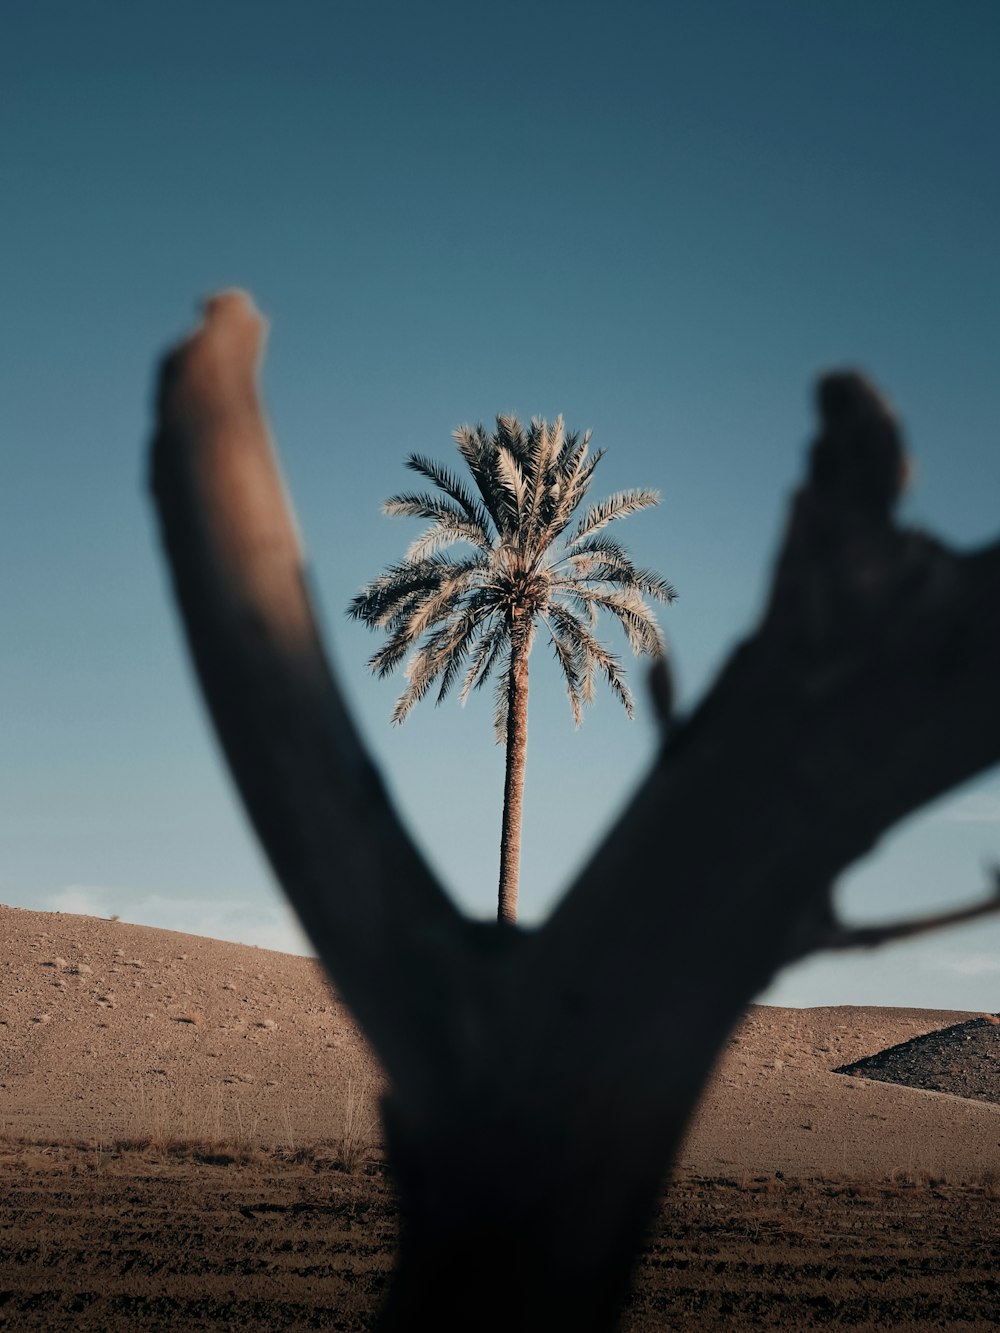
(968, 965)
(266, 924)
(285, 935)
(978, 807)
(80, 900)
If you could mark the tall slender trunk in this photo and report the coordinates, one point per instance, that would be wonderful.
(513, 790)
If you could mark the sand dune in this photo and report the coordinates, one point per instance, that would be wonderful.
(803, 1197)
(108, 1028)
(776, 1104)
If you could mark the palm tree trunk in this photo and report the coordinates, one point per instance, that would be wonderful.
(513, 791)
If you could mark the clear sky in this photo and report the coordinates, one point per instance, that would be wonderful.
(660, 219)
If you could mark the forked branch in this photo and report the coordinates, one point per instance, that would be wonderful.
(542, 1081)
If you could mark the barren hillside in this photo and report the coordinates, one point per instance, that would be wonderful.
(172, 1120)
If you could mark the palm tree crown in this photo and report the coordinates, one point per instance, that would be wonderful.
(473, 615)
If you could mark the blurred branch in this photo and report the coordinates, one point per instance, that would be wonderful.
(542, 1081)
(871, 937)
(375, 914)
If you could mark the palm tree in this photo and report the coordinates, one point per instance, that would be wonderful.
(475, 615)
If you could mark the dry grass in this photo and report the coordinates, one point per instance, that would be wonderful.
(359, 1124)
(988, 1181)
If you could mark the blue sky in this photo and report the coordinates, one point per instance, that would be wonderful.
(661, 220)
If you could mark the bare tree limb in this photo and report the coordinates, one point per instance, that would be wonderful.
(542, 1081)
(378, 919)
(873, 937)
(869, 689)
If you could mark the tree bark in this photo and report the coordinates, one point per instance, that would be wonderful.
(541, 1080)
(513, 790)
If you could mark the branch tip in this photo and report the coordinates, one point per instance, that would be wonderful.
(872, 937)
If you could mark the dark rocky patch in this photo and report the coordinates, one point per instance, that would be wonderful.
(963, 1059)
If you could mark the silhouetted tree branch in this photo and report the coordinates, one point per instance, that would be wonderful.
(379, 921)
(541, 1081)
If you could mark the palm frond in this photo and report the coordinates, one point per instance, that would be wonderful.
(632, 613)
(453, 487)
(479, 450)
(569, 665)
(654, 585)
(597, 557)
(545, 446)
(421, 678)
(450, 518)
(382, 600)
(511, 477)
(442, 535)
(608, 511)
(451, 523)
(485, 658)
(573, 630)
(455, 649)
(590, 570)
(573, 445)
(439, 607)
(574, 489)
(440, 655)
(419, 615)
(511, 435)
(423, 505)
(392, 652)
(606, 547)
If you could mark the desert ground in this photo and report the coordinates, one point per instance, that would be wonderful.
(189, 1140)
